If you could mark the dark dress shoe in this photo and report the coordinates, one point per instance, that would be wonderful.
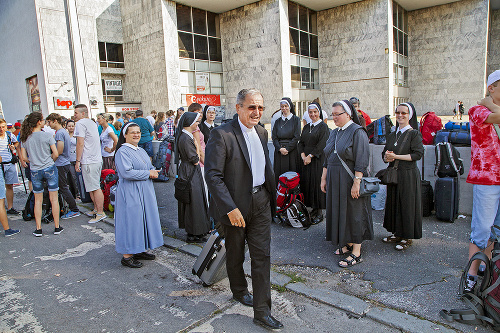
(318, 219)
(144, 256)
(131, 262)
(246, 299)
(268, 322)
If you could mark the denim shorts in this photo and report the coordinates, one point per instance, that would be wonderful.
(49, 174)
(148, 147)
(2, 185)
(485, 213)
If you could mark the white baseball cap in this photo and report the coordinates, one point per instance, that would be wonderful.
(494, 77)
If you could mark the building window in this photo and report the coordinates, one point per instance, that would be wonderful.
(400, 45)
(111, 55)
(200, 51)
(112, 90)
(303, 47)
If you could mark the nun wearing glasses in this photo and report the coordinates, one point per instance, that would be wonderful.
(311, 145)
(348, 216)
(286, 135)
(207, 123)
(403, 206)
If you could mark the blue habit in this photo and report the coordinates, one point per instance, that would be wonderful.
(137, 222)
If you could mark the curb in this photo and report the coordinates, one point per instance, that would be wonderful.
(351, 304)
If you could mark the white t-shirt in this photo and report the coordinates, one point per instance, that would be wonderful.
(5, 151)
(308, 119)
(151, 120)
(87, 129)
(106, 141)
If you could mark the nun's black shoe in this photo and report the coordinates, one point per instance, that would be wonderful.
(313, 214)
(144, 256)
(268, 322)
(131, 262)
(317, 219)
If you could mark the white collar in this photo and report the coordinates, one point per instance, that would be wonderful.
(206, 123)
(245, 129)
(343, 128)
(317, 122)
(290, 115)
(190, 134)
(404, 129)
(131, 146)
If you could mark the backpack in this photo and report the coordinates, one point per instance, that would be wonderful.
(448, 161)
(288, 190)
(484, 300)
(162, 159)
(108, 179)
(297, 215)
(430, 123)
(378, 130)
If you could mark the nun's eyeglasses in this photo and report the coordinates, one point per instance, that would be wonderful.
(337, 114)
(401, 113)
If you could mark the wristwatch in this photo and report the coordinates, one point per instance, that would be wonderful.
(356, 177)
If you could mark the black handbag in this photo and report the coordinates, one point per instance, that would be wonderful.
(183, 189)
(389, 176)
(368, 185)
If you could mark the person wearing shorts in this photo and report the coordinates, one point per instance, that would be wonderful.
(484, 174)
(42, 151)
(3, 213)
(8, 143)
(89, 159)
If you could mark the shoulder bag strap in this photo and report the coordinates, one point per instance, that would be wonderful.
(452, 158)
(396, 163)
(345, 166)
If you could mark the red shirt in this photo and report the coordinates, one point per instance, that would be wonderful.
(485, 149)
(366, 117)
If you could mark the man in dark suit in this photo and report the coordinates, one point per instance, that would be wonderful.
(240, 179)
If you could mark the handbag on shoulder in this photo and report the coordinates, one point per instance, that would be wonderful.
(368, 185)
(183, 189)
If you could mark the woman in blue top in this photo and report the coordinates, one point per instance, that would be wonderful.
(137, 222)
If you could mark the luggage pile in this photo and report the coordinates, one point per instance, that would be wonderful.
(449, 166)
(456, 133)
(161, 161)
(430, 124)
(379, 129)
(289, 201)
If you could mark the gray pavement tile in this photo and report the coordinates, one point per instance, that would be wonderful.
(336, 299)
(404, 321)
(190, 249)
(279, 279)
(173, 243)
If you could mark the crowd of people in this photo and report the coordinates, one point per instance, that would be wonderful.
(232, 183)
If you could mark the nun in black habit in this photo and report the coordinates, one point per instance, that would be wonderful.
(207, 121)
(403, 206)
(193, 217)
(286, 135)
(348, 216)
(311, 145)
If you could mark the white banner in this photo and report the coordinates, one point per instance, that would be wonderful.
(201, 82)
(113, 85)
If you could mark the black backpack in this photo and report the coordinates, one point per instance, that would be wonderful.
(483, 302)
(378, 130)
(448, 161)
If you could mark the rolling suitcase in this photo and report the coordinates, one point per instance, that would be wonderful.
(446, 193)
(210, 266)
(84, 195)
(427, 198)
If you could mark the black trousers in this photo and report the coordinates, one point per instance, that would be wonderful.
(257, 233)
(64, 178)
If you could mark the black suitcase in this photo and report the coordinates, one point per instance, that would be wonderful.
(446, 193)
(210, 266)
(84, 195)
(427, 198)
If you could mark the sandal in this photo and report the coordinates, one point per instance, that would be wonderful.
(340, 251)
(353, 261)
(403, 244)
(391, 239)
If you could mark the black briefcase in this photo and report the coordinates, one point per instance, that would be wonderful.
(210, 266)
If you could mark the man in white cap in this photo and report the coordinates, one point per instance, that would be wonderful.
(484, 174)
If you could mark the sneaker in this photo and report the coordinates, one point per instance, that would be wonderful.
(12, 211)
(90, 213)
(57, 231)
(38, 233)
(10, 232)
(471, 283)
(97, 218)
(70, 214)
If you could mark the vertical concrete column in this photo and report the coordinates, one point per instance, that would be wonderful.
(285, 48)
(171, 49)
(76, 53)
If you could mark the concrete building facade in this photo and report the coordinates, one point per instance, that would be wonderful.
(120, 55)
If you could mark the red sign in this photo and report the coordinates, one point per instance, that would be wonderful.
(203, 99)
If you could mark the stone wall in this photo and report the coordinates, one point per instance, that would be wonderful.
(252, 53)
(144, 52)
(109, 24)
(352, 59)
(447, 55)
(494, 42)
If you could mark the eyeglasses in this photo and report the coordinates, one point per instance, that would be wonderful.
(255, 107)
(337, 114)
(401, 113)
